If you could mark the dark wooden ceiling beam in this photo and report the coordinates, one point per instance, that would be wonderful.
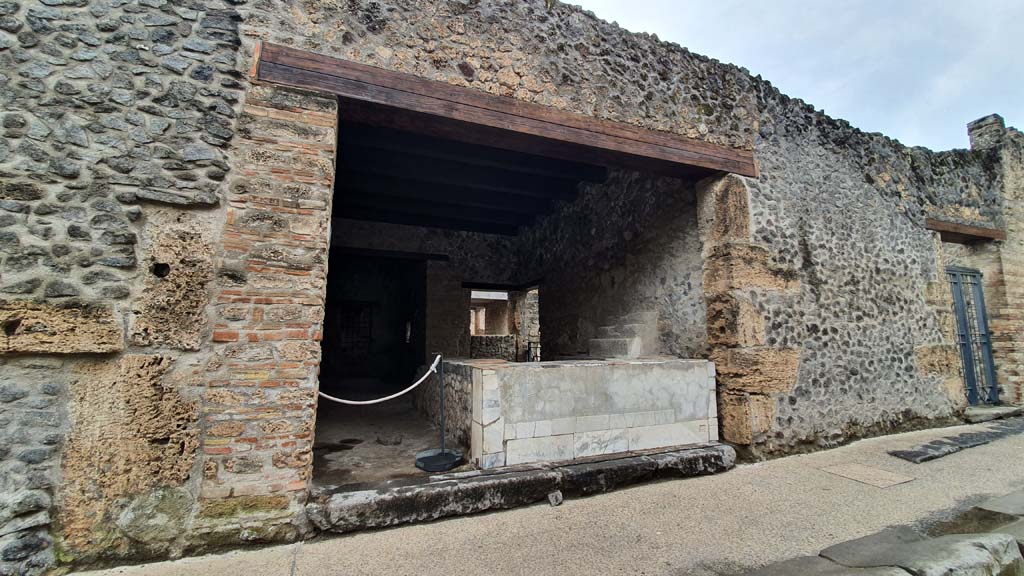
(430, 209)
(376, 215)
(395, 90)
(350, 183)
(361, 160)
(404, 142)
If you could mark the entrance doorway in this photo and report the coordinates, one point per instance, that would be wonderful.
(973, 337)
(373, 345)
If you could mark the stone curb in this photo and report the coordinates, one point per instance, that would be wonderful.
(902, 551)
(481, 490)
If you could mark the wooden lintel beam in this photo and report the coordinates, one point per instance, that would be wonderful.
(963, 233)
(396, 90)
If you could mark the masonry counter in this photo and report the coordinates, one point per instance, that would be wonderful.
(522, 412)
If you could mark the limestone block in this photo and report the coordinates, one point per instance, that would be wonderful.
(734, 321)
(760, 370)
(171, 311)
(664, 435)
(940, 359)
(68, 328)
(548, 449)
(600, 442)
(723, 206)
(744, 416)
(730, 266)
(136, 427)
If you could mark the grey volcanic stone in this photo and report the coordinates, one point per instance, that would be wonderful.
(818, 566)
(1012, 503)
(477, 491)
(961, 554)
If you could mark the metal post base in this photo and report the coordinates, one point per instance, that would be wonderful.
(437, 460)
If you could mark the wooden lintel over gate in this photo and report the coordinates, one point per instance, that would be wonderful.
(377, 96)
(963, 233)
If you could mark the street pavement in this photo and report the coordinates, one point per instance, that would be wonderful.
(717, 525)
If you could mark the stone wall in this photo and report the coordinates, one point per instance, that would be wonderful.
(829, 304)
(458, 392)
(493, 346)
(164, 231)
(627, 245)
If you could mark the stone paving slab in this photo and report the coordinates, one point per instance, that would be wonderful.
(1012, 504)
(818, 566)
(869, 475)
(1016, 530)
(960, 554)
(955, 443)
(874, 549)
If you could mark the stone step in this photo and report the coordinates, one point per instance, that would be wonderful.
(616, 348)
(975, 414)
(420, 499)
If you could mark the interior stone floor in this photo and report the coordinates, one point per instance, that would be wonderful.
(359, 446)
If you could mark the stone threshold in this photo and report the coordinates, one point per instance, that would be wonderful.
(455, 494)
(978, 414)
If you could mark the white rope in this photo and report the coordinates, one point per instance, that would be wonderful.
(433, 368)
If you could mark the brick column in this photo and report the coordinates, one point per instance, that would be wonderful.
(750, 372)
(259, 404)
(1006, 313)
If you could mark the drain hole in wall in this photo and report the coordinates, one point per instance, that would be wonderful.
(11, 326)
(161, 269)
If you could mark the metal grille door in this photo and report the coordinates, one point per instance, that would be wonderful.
(973, 336)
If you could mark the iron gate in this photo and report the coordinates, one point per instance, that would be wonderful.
(973, 337)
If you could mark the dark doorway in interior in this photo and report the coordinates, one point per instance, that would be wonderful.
(374, 325)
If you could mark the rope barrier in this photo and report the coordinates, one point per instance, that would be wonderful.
(433, 368)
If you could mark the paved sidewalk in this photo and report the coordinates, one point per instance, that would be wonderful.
(717, 525)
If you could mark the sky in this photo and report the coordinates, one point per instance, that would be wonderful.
(915, 70)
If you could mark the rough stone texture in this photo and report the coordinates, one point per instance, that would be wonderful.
(32, 426)
(133, 431)
(458, 402)
(501, 347)
(270, 271)
(967, 554)
(58, 328)
(171, 309)
(952, 444)
(596, 268)
(818, 566)
(125, 143)
(477, 491)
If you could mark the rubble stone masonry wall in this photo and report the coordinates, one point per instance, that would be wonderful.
(164, 226)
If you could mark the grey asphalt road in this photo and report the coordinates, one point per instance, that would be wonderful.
(724, 524)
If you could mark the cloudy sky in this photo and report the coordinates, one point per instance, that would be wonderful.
(916, 70)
